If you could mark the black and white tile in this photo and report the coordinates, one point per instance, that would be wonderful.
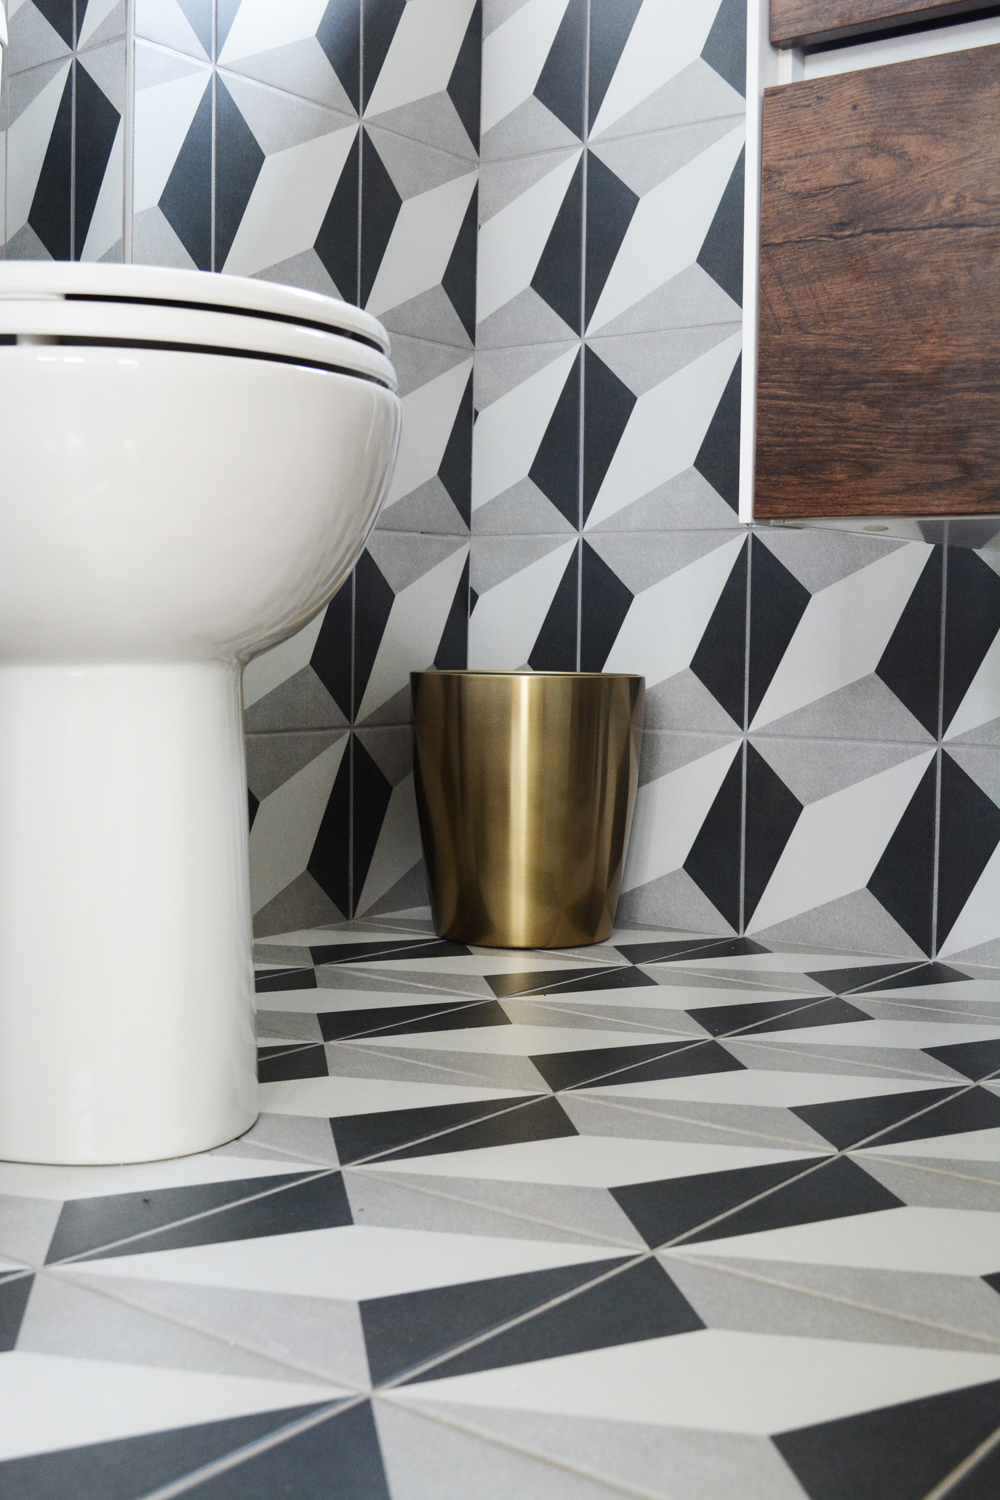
(65, 93)
(675, 1215)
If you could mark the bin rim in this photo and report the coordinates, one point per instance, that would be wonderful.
(498, 672)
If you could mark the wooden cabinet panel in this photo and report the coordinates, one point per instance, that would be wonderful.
(878, 385)
(799, 23)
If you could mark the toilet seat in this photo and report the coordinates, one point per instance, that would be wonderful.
(153, 307)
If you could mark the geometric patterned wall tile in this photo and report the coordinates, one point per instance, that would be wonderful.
(683, 865)
(654, 65)
(968, 914)
(182, 25)
(173, 160)
(392, 878)
(310, 50)
(55, 109)
(286, 171)
(652, 202)
(99, 200)
(430, 488)
(303, 682)
(861, 660)
(425, 582)
(291, 776)
(39, 152)
(422, 71)
(418, 219)
(533, 77)
(526, 446)
(683, 629)
(856, 868)
(529, 265)
(523, 603)
(38, 33)
(971, 708)
(650, 401)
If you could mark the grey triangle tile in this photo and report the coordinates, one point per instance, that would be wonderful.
(528, 128)
(812, 769)
(748, 1302)
(636, 1117)
(301, 1137)
(300, 702)
(307, 271)
(683, 702)
(473, 1205)
(433, 120)
(872, 1062)
(842, 553)
(644, 360)
(864, 710)
(302, 903)
(643, 161)
(525, 319)
(252, 1332)
(696, 93)
(299, 68)
(452, 1461)
(427, 509)
(422, 1063)
(926, 1184)
(687, 300)
(672, 900)
(27, 1226)
(945, 1305)
(429, 316)
(856, 921)
(661, 1462)
(99, 1319)
(520, 510)
(684, 503)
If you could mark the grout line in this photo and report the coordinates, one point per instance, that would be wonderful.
(213, 154)
(357, 279)
(582, 378)
(939, 753)
(951, 1481)
(746, 733)
(128, 139)
(72, 139)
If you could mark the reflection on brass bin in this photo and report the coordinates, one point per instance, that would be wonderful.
(525, 783)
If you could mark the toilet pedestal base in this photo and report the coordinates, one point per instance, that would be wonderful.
(126, 978)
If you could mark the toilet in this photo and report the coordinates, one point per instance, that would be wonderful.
(189, 467)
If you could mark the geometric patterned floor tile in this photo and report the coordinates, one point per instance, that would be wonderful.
(575, 1245)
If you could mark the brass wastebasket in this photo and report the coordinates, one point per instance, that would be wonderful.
(525, 784)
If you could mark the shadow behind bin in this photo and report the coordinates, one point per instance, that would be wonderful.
(525, 784)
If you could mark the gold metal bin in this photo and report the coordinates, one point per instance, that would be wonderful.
(525, 785)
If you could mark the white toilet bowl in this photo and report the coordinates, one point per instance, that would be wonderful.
(189, 467)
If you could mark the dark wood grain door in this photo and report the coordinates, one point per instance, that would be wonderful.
(878, 386)
(798, 23)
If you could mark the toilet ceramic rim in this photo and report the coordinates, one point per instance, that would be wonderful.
(148, 308)
(196, 290)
